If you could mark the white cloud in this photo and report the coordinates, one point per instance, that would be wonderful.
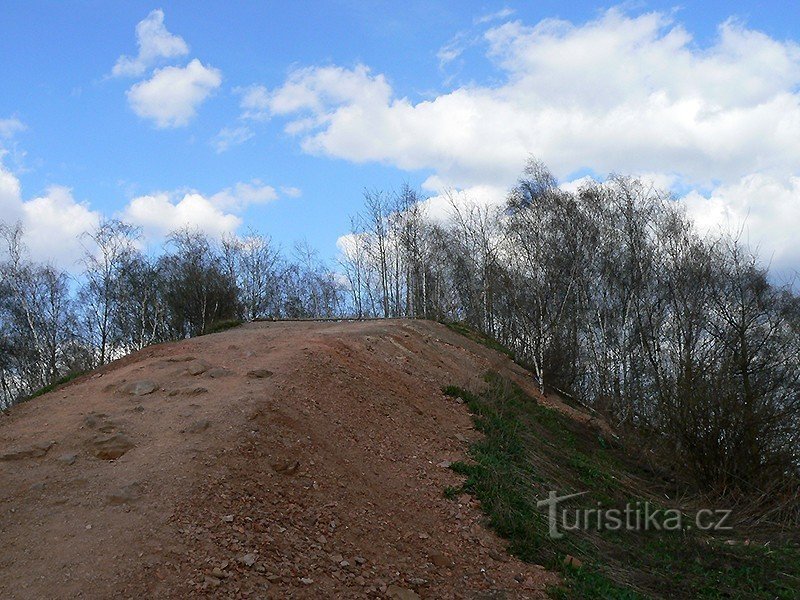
(620, 93)
(52, 222)
(10, 127)
(172, 95)
(765, 209)
(231, 136)
(495, 16)
(158, 214)
(243, 195)
(155, 43)
(291, 192)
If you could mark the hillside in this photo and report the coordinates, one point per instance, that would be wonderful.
(272, 460)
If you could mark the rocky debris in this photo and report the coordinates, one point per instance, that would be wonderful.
(125, 495)
(36, 450)
(68, 459)
(260, 374)
(111, 447)
(141, 387)
(397, 593)
(219, 372)
(197, 367)
(198, 426)
(227, 519)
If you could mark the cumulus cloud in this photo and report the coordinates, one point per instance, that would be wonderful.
(154, 42)
(231, 136)
(52, 222)
(765, 210)
(158, 214)
(620, 93)
(172, 95)
(242, 195)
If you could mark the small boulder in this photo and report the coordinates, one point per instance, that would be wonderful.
(199, 426)
(397, 593)
(111, 447)
(218, 372)
(124, 495)
(260, 374)
(141, 387)
(248, 560)
(68, 459)
(197, 367)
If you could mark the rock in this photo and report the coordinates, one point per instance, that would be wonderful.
(227, 519)
(286, 467)
(36, 450)
(571, 561)
(111, 447)
(197, 367)
(397, 593)
(440, 560)
(125, 495)
(248, 560)
(198, 426)
(37, 487)
(195, 391)
(174, 359)
(260, 374)
(360, 560)
(141, 387)
(210, 581)
(445, 464)
(68, 459)
(306, 580)
(219, 372)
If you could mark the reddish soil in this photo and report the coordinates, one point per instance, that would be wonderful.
(320, 475)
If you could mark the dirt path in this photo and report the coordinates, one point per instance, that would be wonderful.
(276, 460)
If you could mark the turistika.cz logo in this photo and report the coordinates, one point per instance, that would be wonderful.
(636, 516)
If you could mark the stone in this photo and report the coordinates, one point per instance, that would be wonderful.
(227, 519)
(219, 372)
(125, 495)
(306, 580)
(141, 387)
(260, 374)
(248, 560)
(36, 450)
(397, 593)
(195, 391)
(198, 426)
(197, 367)
(571, 561)
(445, 464)
(68, 459)
(111, 447)
(440, 560)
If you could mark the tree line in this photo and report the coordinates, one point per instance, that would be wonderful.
(53, 324)
(608, 293)
(612, 297)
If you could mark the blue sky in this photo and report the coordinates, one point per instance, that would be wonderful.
(276, 115)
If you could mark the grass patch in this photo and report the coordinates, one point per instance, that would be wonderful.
(218, 326)
(56, 384)
(528, 449)
(476, 336)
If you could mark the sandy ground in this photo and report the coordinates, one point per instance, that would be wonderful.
(275, 460)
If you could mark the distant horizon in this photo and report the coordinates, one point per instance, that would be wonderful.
(277, 117)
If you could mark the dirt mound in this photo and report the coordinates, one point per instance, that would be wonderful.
(275, 460)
